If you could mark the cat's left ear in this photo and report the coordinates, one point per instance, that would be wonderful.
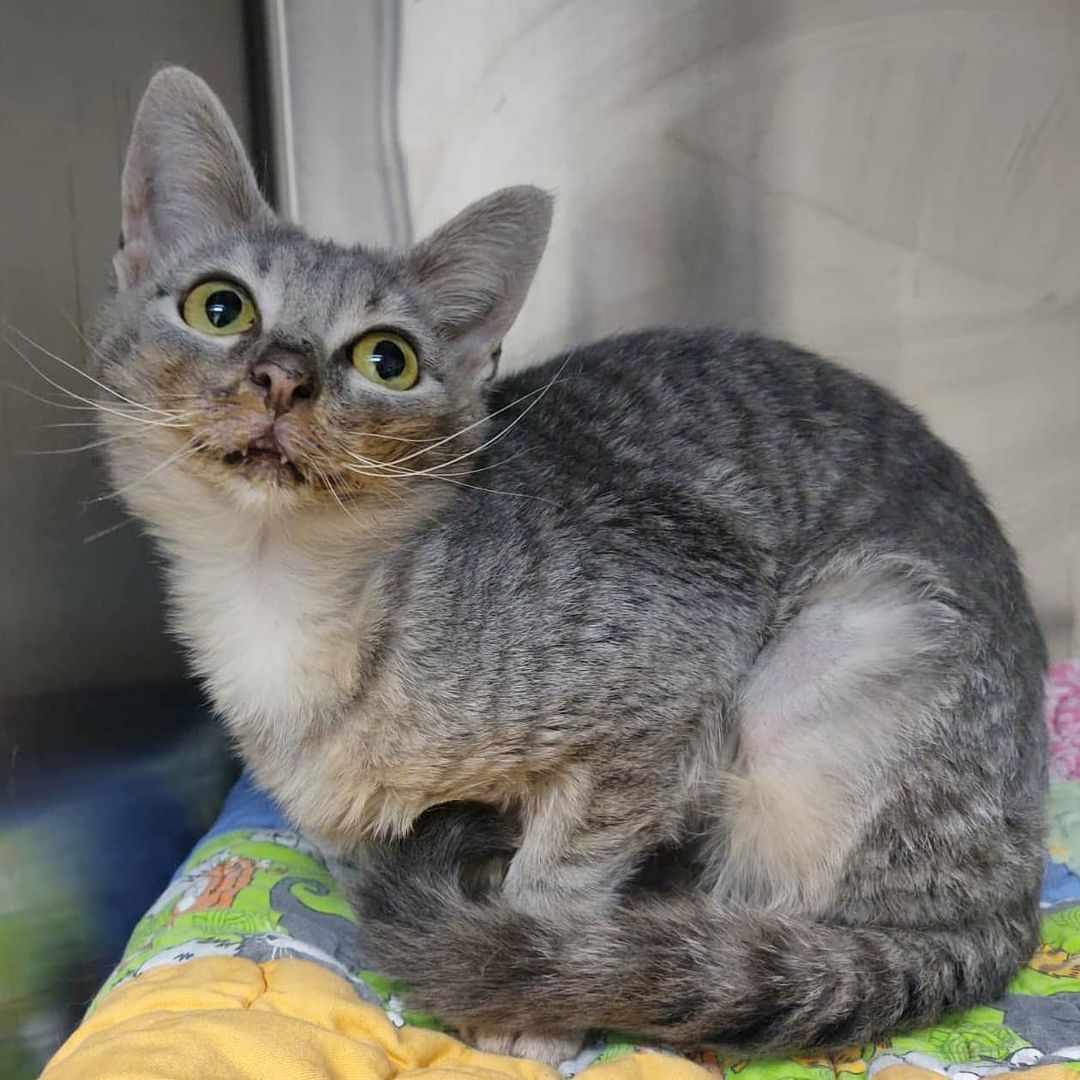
(476, 270)
(186, 174)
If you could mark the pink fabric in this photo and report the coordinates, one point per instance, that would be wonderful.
(1063, 719)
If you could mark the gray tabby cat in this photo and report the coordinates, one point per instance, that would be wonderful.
(675, 588)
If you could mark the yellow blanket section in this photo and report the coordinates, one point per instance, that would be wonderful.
(231, 1019)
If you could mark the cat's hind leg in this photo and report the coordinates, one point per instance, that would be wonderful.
(857, 677)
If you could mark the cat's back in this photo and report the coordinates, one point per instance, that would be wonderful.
(672, 407)
(657, 385)
(693, 430)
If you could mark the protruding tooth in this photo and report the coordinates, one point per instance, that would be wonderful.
(284, 460)
(244, 451)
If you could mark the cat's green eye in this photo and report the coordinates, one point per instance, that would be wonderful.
(386, 359)
(219, 307)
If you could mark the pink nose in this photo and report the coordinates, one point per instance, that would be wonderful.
(283, 381)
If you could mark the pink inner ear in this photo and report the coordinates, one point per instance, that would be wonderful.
(130, 263)
(136, 237)
(496, 356)
(477, 351)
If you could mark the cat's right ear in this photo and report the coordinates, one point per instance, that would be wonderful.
(478, 267)
(186, 174)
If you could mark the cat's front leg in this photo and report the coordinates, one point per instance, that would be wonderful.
(582, 837)
(580, 842)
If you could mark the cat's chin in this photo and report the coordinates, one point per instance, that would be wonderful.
(266, 480)
(256, 488)
(251, 481)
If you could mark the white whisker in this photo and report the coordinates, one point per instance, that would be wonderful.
(337, 498)
(77, 449)
(397, 467)
(370, 463)
(435, 469)
(73, 423)
(187, 450)
(79, 371)
(105, 532)
(100, 406)
(81, 336)
(392, 438)
(476, 423)
(485, 468)
(49, 401)
(493, 491)
(407, 475)
(391, 468)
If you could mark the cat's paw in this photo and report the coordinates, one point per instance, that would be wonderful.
(548, 1049)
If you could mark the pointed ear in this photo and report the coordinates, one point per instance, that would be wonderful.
(186, 173)
(476, 269)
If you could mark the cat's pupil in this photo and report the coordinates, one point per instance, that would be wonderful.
(223, 307)
(389, 360)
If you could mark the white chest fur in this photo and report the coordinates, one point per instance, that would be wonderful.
(282, 613)
(271, 621)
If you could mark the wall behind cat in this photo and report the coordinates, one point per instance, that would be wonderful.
(892, 185)
(76, 614)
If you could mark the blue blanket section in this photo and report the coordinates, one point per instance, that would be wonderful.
(245, 807)
(1060, 884)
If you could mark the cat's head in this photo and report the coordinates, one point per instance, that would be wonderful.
(248, 360)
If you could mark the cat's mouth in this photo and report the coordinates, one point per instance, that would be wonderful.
(265, 457)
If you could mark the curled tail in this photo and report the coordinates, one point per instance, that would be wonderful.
(683, 969)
